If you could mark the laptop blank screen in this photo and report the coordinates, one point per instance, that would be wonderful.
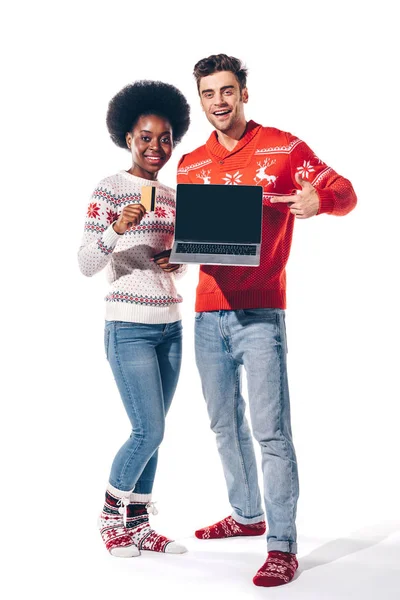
(218, 213)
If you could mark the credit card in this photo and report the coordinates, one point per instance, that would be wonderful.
(148, 198)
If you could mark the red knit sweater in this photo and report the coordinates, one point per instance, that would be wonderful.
(271, 158)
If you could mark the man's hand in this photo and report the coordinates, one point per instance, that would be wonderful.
(162, 260)
(130, 215)
(305, 203)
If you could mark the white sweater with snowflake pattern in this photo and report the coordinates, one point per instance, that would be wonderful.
(140, 290)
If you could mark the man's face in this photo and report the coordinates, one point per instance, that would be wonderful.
(222, 101)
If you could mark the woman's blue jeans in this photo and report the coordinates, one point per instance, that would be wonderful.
(145, 360)
(227, 341)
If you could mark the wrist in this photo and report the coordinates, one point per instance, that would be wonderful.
(117, 229)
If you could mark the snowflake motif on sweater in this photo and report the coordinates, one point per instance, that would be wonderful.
(160, 212)
(140, 290)
(233, 179)
(111, 216)
(306, 168)
(93, 210)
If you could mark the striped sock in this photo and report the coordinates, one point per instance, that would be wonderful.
(142, 535)
(112, 529)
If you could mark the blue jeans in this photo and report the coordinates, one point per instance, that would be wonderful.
(226, 341)
(145, 360)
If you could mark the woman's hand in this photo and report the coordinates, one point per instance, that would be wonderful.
(162, 260)
(130, 215)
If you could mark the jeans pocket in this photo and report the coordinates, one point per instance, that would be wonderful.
(198, 316)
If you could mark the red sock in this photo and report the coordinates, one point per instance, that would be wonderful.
(229, 528)
(279, 568)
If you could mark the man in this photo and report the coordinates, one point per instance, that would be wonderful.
(240, 319)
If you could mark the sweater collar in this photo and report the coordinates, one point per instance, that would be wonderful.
(219, 151)
(139, 180)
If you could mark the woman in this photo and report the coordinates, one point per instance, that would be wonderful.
(143, 331)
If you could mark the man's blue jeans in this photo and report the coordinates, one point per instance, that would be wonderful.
(145, 360)
(254, 339)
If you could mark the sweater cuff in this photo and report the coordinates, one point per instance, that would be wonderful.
(110, 237)
(180, 271)
(326, 201)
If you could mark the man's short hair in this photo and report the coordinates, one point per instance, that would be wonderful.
(220, 62)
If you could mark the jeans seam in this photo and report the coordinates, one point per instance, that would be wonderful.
(280, 426)
(107, 341)
(279, 348)
(237, 439)
(140, 442)
(235, 406)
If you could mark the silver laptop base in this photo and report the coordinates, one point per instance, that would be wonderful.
(215, 259)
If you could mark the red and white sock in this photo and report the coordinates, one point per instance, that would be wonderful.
(278, 569)
(138, 526)
(111, 524)
(228, 527)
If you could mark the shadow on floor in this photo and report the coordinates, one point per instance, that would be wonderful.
(359, 540)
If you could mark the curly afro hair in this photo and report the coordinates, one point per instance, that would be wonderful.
(147, 98)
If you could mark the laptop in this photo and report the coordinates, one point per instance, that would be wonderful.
(218, 224)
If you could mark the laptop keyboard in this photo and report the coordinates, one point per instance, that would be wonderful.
(242, 249)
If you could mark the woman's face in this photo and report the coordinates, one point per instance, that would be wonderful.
(150, 142)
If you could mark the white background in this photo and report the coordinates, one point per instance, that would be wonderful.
(326, 72)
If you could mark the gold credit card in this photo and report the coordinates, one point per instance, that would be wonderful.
(148, 198)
